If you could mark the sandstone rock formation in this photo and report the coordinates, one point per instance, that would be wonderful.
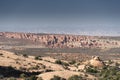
(96, 62)
(61, 41)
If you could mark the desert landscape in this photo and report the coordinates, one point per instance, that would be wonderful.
(59, 39)
(30, 56)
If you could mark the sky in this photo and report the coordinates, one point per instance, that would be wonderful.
(82, 17)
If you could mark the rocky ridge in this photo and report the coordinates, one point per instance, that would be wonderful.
(62, 41)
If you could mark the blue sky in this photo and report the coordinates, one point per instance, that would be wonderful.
(88, 17)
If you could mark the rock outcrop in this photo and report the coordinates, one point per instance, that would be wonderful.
(59, 40)
(96, 62)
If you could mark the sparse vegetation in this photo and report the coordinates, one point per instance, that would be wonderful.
(26, 77)
(58, 62)
(110, 73)
(91, 69)
(25, 55)
(61, 63)
(65, 64)
(72, 62)
(57, 78)
(110, 61)
(32, 77)
(38, 58)
(33, 66)
(75, 77)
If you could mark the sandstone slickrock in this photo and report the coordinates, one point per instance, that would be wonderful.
(96, 62)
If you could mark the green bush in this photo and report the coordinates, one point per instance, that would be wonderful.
(38, 58)
(91, 70)
(58, 62)
(75, 77)
(65, 64)
(110, 73)
(61, 63)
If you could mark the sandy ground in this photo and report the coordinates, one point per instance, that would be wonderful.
(10, 59)
(32, 65)
(64, 74)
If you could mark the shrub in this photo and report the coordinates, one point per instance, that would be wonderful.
(110, 73)
(65, 64)
(61, 63)
(72, 62)
(38, 58)
(25, 55)
(75, 77)
(58, 62)
(57, 78)
(91, 70)
(48, 70)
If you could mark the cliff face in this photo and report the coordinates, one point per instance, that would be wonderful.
(62, 41)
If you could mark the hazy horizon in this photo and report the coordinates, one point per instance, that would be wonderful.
(82, 17)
